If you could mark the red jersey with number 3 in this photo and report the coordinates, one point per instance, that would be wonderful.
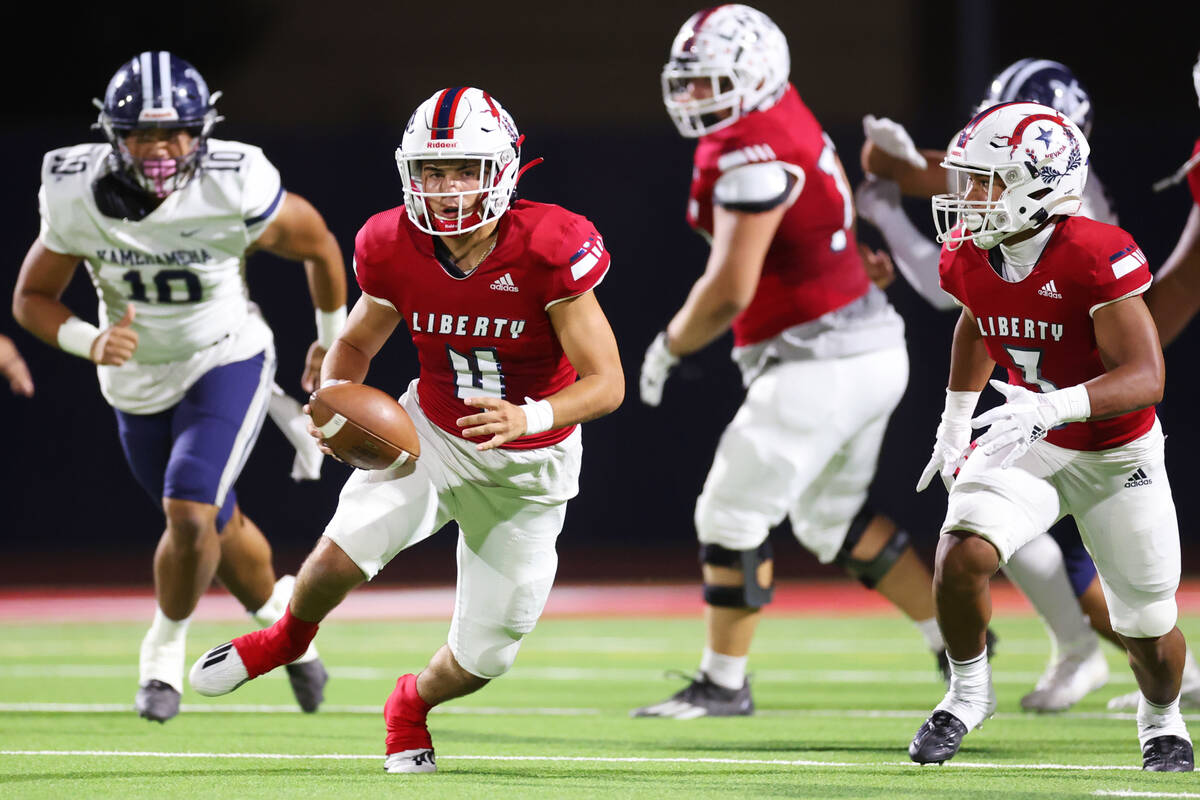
(1040, 329)
(486, 334)
(812, 266)
(1193, 177)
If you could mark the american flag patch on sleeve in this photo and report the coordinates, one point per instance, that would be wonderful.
(1127, 260)
(587, 257)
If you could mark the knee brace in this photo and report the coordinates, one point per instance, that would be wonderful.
(870, 572)
(751, 594)
(1149, 620)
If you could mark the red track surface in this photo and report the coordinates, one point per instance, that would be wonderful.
(815, 598)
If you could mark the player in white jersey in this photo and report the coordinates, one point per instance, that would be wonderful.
(163, 217)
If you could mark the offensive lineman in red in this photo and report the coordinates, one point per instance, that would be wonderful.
(810, 331)
(514, 352)
(1055, 299)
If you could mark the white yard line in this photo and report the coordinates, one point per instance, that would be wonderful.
(1129, 793)
(589, 674)
(582, 760)
(538, 711)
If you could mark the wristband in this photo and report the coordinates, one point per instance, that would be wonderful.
(332, 382)
(1072, 404)
(329, 325)
(959, 405)
(539, 416)
(77, 337)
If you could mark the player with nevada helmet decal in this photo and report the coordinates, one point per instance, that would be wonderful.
(786, 275)
(515, 352)
(163, 216)
(1054, 570)
(1085, 370)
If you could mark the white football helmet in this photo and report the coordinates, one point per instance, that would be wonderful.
(743, 55)
(1036, 155)
(458, 124)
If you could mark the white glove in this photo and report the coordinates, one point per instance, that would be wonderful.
(656, 366)
(1027, 417)
(953, 439)
(891, 137)
(877, 198)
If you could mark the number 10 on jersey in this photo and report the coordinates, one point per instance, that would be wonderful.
(476, 373)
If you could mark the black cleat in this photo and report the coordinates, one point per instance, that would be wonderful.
(156, 701)
(1167, 754)
(938, 739)
(702, 698)
(943, 658)
(308, 683)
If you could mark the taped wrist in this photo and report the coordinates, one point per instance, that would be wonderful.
(1072, 404)
(959, 408)
(77, 337)
(329, 325)
(539, 416)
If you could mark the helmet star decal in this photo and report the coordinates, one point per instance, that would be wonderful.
(1043, 136)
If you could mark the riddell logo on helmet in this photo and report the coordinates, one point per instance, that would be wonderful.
(435, 144)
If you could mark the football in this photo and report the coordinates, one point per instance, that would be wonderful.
(365, 427)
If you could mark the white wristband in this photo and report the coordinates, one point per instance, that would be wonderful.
(959, 405)
(539, 416)
(77, 337)
(329, 325)
(1072, 404)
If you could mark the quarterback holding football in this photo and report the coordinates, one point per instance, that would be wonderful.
(515, 352)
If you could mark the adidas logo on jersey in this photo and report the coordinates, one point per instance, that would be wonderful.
(1050, 290)
(505, 284)
(1138, 478)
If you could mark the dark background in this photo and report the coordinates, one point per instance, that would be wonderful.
(325, 89)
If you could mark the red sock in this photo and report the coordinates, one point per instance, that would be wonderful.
(405, 713)
(282, 643)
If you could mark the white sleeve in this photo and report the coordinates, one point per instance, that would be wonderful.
(50, 239)
(262, 194)
(915, 256)
(759, 187)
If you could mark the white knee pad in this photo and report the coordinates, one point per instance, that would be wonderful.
(1147, 620)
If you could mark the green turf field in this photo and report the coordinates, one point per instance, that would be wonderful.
(838, 701)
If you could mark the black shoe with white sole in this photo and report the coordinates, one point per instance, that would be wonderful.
(156, 701)
(938, 739)
(1167, 754)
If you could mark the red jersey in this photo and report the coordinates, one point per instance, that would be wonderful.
(488, 333)
(812, 266)
(1193, 177)
(1040, 329)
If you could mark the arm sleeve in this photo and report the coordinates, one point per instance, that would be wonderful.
(579, 263)
(915, 256)
(50, 238)
(262, 195)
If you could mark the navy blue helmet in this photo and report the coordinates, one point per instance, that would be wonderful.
(157, 89)
(1042, 81)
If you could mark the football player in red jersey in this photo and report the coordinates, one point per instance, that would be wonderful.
(809, 329)
(515, 352)
(1056, 299)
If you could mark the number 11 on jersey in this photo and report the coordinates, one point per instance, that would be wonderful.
(477, 373)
